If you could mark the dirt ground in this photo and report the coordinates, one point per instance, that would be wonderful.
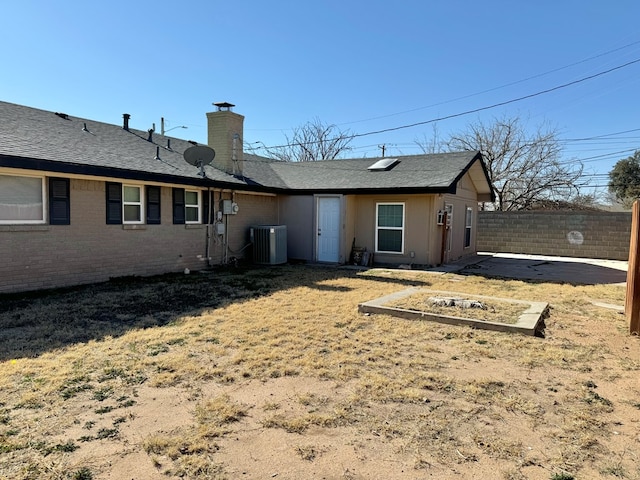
(349, 452)
(279, 376)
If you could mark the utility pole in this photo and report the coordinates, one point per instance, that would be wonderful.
(382, 147)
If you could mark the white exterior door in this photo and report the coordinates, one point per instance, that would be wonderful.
(328, 244)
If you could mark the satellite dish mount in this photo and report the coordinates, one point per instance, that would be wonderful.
(199, 156)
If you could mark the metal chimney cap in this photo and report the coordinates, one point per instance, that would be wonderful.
(223, 106)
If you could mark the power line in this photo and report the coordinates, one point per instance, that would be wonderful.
(594, 147)
(596, 158)
(464, 97)
(500, 104)
(497, 88)
(480, 109)
(601, 136)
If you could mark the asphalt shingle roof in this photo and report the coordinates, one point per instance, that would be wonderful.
(440, 171)
(39, 139)
(29, 133)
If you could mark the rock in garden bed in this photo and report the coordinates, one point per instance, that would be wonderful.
(490, 310)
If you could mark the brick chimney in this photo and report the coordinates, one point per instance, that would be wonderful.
(225, 137)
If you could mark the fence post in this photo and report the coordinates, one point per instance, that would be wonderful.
(632, 300)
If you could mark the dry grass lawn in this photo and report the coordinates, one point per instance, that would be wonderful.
(273, 373)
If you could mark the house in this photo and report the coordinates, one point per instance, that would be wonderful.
(83, 201)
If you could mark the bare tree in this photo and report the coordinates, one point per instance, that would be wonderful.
(311, 142)
(578, 202)
(433, 144)
(611, 201)
(522, 167)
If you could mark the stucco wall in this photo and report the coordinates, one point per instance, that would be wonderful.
(464, 198)
(297, 213)
(568, 234)
(421, 238)
(253, 210)
(88, 250)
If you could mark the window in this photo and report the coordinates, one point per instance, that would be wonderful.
(22, 199)
(383, 165)
(390, 227)
(132, 204)
(125, 204)
(192, 206)
(467, 227)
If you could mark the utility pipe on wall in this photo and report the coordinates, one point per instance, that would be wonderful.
(208, 214)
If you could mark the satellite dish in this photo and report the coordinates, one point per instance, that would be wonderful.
(199, 156)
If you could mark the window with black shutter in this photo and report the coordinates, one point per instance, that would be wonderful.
(178, 206)
(192, 206)
(153, 205)
(114, 203)
(59, 201)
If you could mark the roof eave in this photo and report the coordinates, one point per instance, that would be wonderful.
(366, 191)
(477, 157)
(9, 161)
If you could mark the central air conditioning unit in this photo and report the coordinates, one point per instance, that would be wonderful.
(269, 244)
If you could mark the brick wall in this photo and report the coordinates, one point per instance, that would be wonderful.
(88, 250)
(253, 210)
(567, 234)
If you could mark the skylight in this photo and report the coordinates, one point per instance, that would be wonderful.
(384, 165)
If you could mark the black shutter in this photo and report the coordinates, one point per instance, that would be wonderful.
(59, 201)
(206, 213)
(178, 206)
(153, 205)
(114, 203)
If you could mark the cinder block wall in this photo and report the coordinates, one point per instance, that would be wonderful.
(602, 235)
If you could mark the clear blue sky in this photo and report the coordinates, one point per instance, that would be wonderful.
(362, 65)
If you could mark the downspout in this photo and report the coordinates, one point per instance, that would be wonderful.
(224, 237)
(226, 240)
(226, 243)
(209, 211)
